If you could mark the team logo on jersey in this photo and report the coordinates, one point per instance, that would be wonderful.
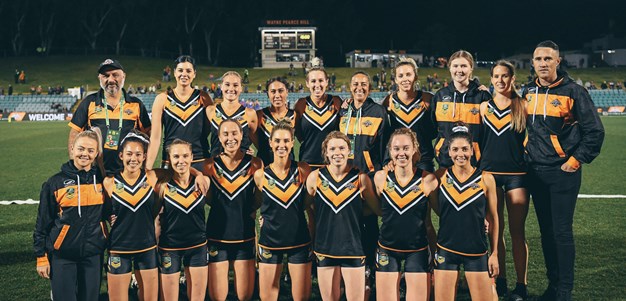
(265, 253)
(271, 183)
(69, 182)
(445, 107)
(268, 122)
(439, 258)
(70, 192)
(324, 185)
(243, 172)
(382, 259)
(195, 103)
(172, 103)
(350, 186)
(166, 261)
(219, 172)
(367, 123)
(320, 257)
(309, 108)
(213, 251)
(144, 185)
(555, 103)
(218, 114)
(490, 110)
(474, 186)
(119, 187)
(115, 262)
(396, 106)
(238, 118)
(389, 185)
(98, 109)
(449, 182)
(128, 112)
(475, 111)
(416, 188)
(447, 98)
(171, 189)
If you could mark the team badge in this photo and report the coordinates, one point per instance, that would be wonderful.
(195, 103)
(389, 186)
(474, 186)
(382, 259)
(367, 123)
(172, 103)
(555, 103)
(396, 106)
(119, 187)
(320, 257)
(267, 122)
(70, 192)
(218, 115)
(128, 112)
(490, 110)
(144, 185)
(213, 251)
(344, 120)
(439, 258)
(219, 172)
(69, 182)
(271, 183)
(331, 109)
(324, 185)
(309, 108)
(171, 189)
(265, 253)
(416, 188)
(239, 118)
(166, 261)
(445, 107)
(243, 172)
(98, 109)
(350, 186)
(449, 182)
(447, 98)
(475, 111)
(115, 262)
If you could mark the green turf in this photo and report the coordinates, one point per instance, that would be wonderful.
(32, 151)
(74, 71)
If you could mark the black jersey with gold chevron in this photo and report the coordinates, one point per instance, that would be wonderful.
(134, 206)
(186, 120)
(183, 217)
(216, 120)
(284, 224)
(338, 215)
(266, 124)
(404, 208)
(316, 123)
(462, 211)
(232, 202)
(501, 146)
(415, 116)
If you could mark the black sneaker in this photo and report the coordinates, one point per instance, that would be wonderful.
(501, 288)
(549, 294)
(520, 293)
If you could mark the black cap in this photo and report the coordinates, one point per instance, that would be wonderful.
(108, 65)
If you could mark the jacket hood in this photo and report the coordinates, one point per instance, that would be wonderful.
(562, 78)
(69, 169)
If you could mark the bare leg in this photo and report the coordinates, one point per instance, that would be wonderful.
(329, 281)
(244, 278)
(269, 281)
(445, 285)
(354, 279)
(218, 286)
(300, 281)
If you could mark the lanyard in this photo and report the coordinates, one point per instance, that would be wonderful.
(106, 113)
(355, 130)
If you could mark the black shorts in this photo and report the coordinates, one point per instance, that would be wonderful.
(219, 251)
(171, 260)
(391, 261)
(124, 263)
(352, 262)
(510, 182)
(445, 260)
(297, 255)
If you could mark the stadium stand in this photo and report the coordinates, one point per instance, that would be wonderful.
(36, 103)
(608, 98)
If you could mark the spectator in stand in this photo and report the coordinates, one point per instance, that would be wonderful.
(32, 90)
(259, 88)
(213, 86)
(246, 75)
(300, 88)
(10, 90)
(588, 85)
(333, 79)
(1, 91)
(604, 86)
(245, 89)
(16, 76)
(22, 77)
(611, 85)
(38, 90)
(375, 79)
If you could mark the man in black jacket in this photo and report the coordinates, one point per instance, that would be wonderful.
(564, 131)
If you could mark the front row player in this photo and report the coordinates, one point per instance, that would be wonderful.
(466, 197)
(406, 225)
(69, 235)
(339, 190)
(284, 230)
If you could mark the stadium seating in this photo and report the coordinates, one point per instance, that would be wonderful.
(608, 98)
(35, 103)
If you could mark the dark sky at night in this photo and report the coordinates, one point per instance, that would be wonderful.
(227, 31)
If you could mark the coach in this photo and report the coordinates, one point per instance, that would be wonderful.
(113, 111)
(564, 131)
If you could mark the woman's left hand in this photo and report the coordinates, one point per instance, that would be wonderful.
(494, 268)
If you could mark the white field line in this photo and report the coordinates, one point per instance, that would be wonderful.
(580, 196)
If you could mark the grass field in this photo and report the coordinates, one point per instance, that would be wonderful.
(31, 152)
(74, 71)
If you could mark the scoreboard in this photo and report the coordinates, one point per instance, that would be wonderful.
(286, 42)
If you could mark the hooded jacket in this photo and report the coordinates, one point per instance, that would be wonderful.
(70, 220)
(563, 125)
(451, 106)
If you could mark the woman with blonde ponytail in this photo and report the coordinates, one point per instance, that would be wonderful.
(502, 146)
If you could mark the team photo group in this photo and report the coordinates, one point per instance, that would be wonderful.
(413, 189)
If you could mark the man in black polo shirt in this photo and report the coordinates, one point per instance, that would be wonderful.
(113, 111)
